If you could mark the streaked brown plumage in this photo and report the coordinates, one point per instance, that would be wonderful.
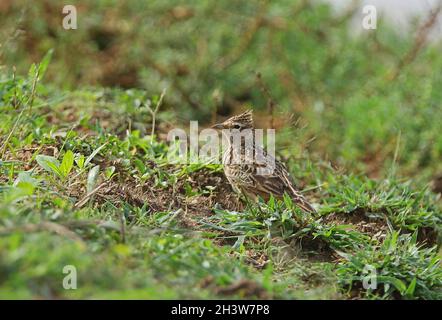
(243, 175)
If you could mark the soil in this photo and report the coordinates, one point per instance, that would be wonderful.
(375, 228)
(174, 197)
(436, 184)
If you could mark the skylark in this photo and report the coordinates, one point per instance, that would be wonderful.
(245, 175)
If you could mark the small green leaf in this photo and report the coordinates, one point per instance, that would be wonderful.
(49, 163)
(93, 154)
(398, 284)
(271, 202)
(22, 190)
(32, 73)
(287, 201)
(109, 172)
(92, 178)
(25, 176)
(45, 62)
(140, 166)
(55, 169)
(410, 290)
(413, 239)
(80, 161)
(239, 244)
(67, 163)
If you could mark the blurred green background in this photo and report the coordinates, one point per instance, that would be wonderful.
(356, 101)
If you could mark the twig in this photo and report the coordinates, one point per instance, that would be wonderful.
(270, 102)
(303, 4)
(247, 38)
(349, 12)
(43, 226)
(81, 203)
(154, 113)
(123, 227)
(291, 84)
(15, 33)
(14, 80)
(66, 140)
(34, 88)
(419, 42)
(77, 224)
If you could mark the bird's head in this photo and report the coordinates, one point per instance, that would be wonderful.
(238, 122)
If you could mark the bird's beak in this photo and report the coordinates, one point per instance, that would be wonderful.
(218, 126)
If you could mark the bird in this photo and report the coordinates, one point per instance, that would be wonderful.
(244, 174)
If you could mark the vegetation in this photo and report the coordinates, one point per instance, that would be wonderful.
(84, 182)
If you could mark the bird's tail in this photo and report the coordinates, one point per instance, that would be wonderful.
(304, 205)
(301, 201)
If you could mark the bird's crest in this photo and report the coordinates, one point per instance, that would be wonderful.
(240, 122)
(245, 118)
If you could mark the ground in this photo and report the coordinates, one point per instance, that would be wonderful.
(77, 190)
(85, 184)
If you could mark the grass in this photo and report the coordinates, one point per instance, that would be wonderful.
(78, 190)
(85, 180)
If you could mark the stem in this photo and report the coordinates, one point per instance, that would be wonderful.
(154, 114)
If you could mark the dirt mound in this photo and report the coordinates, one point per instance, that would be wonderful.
(375, 227)
(174, 197)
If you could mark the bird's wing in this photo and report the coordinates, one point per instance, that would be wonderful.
(278, 182)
